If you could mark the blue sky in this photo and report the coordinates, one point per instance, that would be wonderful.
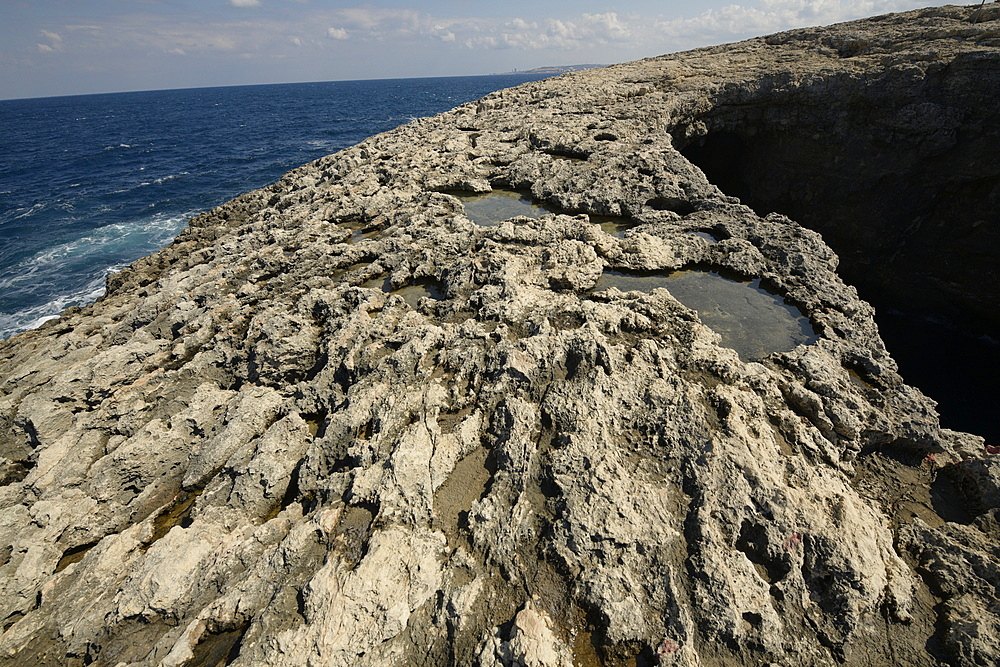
(63, 47)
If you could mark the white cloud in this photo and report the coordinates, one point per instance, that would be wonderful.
(635, 35)
(607, 26)
(406, 41)
(520, 24)
(382, 19)
(577, 33)
(767, 16)
(54, 44)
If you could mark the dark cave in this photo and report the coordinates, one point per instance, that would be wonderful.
(900, 173)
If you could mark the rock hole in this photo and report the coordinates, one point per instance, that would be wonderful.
(950, 499)
(175, 514)
(367, 430)
(315, 422)
(12, 619)
(74, 555)
(15, 471)
(218, 649)
(905, 187)
(708, 236)
(679, 206)
(753, 543)
(568, 155)
(605, 136)
(448, 421)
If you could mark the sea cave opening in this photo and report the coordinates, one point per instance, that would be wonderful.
(900, 173)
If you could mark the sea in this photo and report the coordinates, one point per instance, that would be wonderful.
(89, 184)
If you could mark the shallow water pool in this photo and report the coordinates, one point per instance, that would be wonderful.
(491, 208)
(750, 318)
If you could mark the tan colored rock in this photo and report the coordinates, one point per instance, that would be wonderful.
(276, 443)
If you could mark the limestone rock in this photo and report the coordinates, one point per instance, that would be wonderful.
(338, 422)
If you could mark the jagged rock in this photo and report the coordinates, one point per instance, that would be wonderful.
(337, 422)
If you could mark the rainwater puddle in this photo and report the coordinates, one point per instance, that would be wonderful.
(750, 319)
(412, 294)
(358, 232)
(359, 235)
(489, 209)
(704, 235)
(613, 225)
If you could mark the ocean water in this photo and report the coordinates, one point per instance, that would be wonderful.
(89, 184)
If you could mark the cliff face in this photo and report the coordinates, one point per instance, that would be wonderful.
(339, 422)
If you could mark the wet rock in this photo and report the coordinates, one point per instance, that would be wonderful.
(339, 422)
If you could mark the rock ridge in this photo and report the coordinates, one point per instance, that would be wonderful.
(338, 422)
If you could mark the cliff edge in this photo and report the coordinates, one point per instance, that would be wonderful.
(370, 416)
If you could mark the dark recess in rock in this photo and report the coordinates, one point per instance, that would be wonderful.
(898, 170)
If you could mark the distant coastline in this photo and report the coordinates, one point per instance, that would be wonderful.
(555, 69)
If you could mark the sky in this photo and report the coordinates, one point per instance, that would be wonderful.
(67, 47)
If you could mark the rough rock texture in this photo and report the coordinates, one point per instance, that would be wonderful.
(267, 445)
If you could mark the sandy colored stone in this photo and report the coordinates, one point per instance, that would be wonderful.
(433, 442)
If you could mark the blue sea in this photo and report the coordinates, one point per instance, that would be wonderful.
(88, 184)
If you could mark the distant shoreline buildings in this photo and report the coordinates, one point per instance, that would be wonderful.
(555, 69)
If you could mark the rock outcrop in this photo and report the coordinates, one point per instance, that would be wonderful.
(337, 422)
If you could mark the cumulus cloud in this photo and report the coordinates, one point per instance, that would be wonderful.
(637, 35)
(738, 21)
(520, 24)
(582, 32)
(393, 41)
(606, 36)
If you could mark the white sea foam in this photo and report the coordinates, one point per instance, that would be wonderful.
(90, 258)
(171, 177)
(36, 316)
(32, 210)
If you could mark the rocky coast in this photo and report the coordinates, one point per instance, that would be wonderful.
(345, 420)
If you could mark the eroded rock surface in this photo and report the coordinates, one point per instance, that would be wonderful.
(337, 422)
